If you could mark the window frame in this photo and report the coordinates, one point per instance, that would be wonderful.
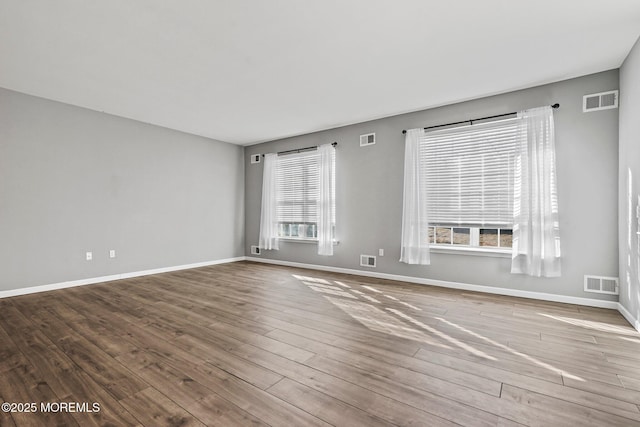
(473, 246)
(304, 239)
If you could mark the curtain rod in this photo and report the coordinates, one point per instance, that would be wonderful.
(299, 150)
(475, 120)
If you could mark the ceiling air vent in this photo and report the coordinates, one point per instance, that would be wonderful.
(601, 285)
(368, 139)
(367, 261)
(600, 101)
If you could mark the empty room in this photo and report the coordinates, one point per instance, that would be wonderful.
(296, 213)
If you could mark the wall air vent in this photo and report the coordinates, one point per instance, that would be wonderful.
(368, 139)
(368, 261)
(255, 158)
(601, 285)
(255, 250)
(600, 101)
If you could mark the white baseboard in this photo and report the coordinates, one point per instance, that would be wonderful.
(93, 280)
(454, 285)
(634, 322)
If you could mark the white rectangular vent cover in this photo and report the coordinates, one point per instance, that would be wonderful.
(367, 261)
(367, 139)
(255, 158)
(255, 250)
(601, 285)
(600, 101)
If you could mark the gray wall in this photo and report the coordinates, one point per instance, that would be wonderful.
(369, 191)
(74, 180)
(630, 165)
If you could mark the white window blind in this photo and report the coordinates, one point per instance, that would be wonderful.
(298, 183)
(468, 173)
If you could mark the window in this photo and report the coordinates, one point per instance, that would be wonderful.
(468, 175)
(490, 185)
(298, 195)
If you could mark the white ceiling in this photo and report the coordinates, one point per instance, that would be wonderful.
(246, 71)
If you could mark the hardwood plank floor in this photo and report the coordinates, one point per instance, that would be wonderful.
(255, 344)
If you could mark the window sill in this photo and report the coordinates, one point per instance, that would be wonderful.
(466, 250)
(298, 240)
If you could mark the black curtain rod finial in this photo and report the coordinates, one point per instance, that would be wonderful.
(556, 105)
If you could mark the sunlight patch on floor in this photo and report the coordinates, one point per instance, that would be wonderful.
(379, 321)
(512, 351)
(395, 322)
(341, 284)
(311, 279)
(590, 324)
(442, 335)
(413, 307)
(329, 290)
(633, 340)
(400, 324)
(371, 299)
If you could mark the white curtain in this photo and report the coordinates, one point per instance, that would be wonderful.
(268, 214)
(326, 199)
(536, 237)
(415, 225)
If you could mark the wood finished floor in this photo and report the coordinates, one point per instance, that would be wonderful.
(253, 344)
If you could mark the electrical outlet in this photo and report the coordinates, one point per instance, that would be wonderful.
(381, 252)
(89, 256)
(112, 253)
